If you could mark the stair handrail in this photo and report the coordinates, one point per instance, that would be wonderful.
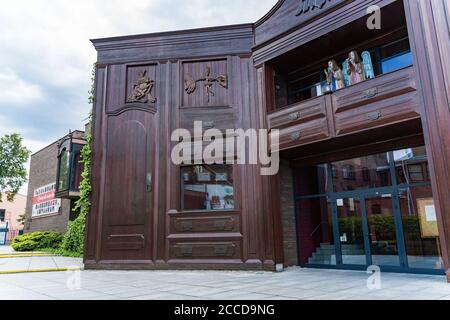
(317, 228)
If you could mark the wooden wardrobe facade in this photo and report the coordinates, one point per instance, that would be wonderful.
(136, 220)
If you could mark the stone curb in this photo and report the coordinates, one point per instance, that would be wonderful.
(41, 270)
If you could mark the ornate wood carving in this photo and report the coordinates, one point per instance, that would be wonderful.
(375, 115)
(142, 90)
(208, 81)
(306, 5)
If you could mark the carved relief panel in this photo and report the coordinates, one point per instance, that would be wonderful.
(131, 84)
(141, 84)
(205, 83)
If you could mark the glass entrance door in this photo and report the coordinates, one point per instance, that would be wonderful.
(351, 231)
(382, 229)
(368, 224)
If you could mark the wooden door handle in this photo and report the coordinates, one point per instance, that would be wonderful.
(149, 182)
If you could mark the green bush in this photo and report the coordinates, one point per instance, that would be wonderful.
(37, 240)
(73, 240)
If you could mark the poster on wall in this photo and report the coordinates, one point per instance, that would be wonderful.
(428, 218)
(44, 201)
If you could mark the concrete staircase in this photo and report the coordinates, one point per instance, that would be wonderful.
(326, 253)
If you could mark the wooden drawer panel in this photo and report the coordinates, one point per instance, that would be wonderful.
(203, 224)
(126, 242)
(227, 249)
(298, 113)
(304, 133)
(378, 114)
(370, 91)
(221, 119)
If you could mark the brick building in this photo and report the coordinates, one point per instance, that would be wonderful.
(10, 212)
(47, 208)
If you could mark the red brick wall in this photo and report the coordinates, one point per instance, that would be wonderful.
(288, 215)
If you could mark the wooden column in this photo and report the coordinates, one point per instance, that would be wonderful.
(429, 29)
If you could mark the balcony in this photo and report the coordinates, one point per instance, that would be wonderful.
(382, 101)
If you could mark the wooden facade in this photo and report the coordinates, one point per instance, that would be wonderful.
(137, 220)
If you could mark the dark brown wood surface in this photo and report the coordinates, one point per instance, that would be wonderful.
(429, 27)
(132, 227)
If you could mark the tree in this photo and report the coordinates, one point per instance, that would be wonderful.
(13, 173)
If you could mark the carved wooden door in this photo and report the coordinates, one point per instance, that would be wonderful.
(128, 200)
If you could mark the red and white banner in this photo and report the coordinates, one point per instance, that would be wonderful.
(44, 201)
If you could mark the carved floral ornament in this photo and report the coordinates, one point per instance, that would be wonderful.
(142, 90)
(208, 82)
(307, 5)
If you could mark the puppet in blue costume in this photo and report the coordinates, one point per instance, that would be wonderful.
(334, 76)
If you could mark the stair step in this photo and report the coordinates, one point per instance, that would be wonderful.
(326, 253)
(343, 246)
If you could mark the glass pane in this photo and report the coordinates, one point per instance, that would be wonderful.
(351, 231)
(420, 228)
(382, 232)
(315, 226)
(411, 165)
(64, 163)
(398, 62)
(305, 88)
(207, 187)
(396, 55)
(77, 168)
(361, 173)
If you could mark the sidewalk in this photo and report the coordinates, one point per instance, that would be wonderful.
(6, 249)
(19, 262)
(35, 264)
(294, 283)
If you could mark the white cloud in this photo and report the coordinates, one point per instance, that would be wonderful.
(17, 91)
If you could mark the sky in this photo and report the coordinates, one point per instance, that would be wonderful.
(46, 57)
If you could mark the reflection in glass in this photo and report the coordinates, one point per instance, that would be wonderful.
(64, 164)
(207, 187)
(351, 231)
(317, 244)
(420, 228)
(77, 168)
(382, 232)
(361, 173)
(411, 165)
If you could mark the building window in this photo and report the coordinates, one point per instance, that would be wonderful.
(366, 174)
(384, 179)
(2, 215)
(348, 172)
(376, 209)
(416, 173)
(63, 175)
(207, 187)
(334, 171)
(395, 56)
